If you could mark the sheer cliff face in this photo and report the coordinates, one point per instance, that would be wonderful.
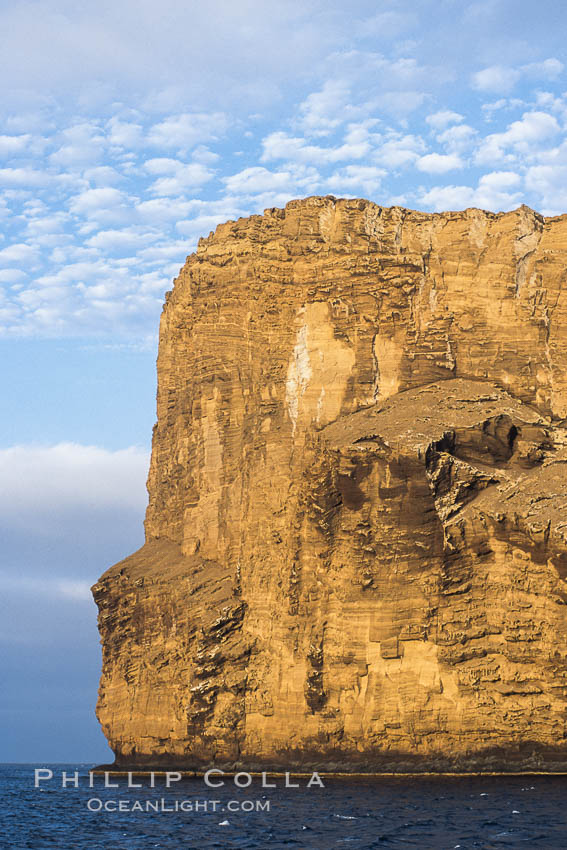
(357, 528)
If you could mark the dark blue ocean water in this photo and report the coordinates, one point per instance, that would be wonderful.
(432, 813)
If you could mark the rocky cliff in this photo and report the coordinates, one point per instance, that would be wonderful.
(357, 525)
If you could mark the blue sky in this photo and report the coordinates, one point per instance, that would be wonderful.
(129, 129)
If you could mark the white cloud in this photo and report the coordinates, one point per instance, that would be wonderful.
(399, 151)
(208, 214)
(177, 177)
(280, 145)
(93, 200)
(495, 191)
(12, 276)
(436, 163)
(167, 251)
(23, 177)
(162, 210)
(549, 185)
(52, 587)
(204, 154)
(458, 139)
(124, 134)
(40, 482)
(499, 190)
(70, 589)
(501, 79)
(551, 103)
(82, 146)
(18, 252)
(103, 176)
(258, 179)
(199, 226)
(503, 104)
(125, 241)
(162, 165)
(442, 198)
(44, 223)
(443, 118)
(13, 145)
(361, 179)
(323, 111)
(186, 177)
(496, 79)
(549, 69)
(187, 130)
(522, 138)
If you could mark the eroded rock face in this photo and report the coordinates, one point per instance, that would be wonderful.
(357, 528)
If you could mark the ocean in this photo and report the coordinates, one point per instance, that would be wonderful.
(430, 812)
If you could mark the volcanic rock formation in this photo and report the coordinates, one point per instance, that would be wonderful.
(357, 526)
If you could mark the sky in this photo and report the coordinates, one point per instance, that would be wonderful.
(128, 130)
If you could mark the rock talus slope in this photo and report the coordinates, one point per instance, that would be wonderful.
(356, 538)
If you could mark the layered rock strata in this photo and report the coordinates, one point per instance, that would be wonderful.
(356, 538)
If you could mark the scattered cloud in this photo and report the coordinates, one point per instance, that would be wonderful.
(399, 150)
(13, 145)
(549, 69)
(496, 80)
(52, 588)
(185, 177)
(23, 177)
(257, 179)
(112, 168)
(459, 138)
(183, 132)
(549, 184)
(161, 211)
(495, 191)
(18, 252)
(124, 134)
(280, 145)
(363, 180)
(323, 111)
(437, 163)
(81, 145)
(125, 241)
(501, 79)
(443, 118)
(41, 483)
(92, 201)
(521, 138)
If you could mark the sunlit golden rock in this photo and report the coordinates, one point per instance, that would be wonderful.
(356, 533)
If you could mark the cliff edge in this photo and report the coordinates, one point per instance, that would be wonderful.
(356, 538)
